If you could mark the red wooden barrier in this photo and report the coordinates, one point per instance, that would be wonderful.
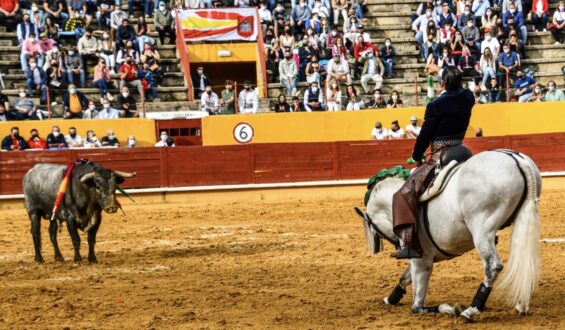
(264, 163)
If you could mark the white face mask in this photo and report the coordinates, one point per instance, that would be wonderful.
(467, 12)
(314, 89)
(162, 8)
(131, 142)
(106, 36)
(106, 105)
(125, 94)
(551, 88)
(164, 137)
(512, 11)
(334, 33)
(377, 95)
(94, 139)
(387, 43)
(92, 107)
(71, 52)
(22, 94)
(33, 65)
(56, 134)
(487, 38)
(470, 24)
(395, 97)
(73, 90)
(537, 90)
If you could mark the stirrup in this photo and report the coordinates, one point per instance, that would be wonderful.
(406, 253)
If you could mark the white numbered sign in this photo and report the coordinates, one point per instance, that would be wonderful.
(243, 133)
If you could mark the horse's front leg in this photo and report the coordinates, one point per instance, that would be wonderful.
(421, 270)
(485, 244)
(400, 289)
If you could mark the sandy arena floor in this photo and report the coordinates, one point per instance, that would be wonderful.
(293, 265)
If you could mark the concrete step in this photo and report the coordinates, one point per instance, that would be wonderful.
(553, 64)
(540, 38)
(393, 32)
(545, 77)
(545, 51)
(377, 18)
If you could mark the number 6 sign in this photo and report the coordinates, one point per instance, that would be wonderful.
(243, 133)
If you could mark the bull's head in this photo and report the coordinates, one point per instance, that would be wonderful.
(106, 182)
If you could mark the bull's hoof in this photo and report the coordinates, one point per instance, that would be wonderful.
(39, 259)
(78, 260)
(92, 260)
(59, 258)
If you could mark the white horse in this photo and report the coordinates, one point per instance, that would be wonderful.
(490, 190)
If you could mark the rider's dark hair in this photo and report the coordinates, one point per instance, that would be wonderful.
(452, 78)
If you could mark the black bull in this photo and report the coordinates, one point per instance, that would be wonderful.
(91, 190)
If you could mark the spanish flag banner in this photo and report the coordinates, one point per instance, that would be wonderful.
(223, 24)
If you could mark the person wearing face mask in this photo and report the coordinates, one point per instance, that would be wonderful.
(413, 129)
(36, 79)
(73, 140)
(107, 111)
(55, 9)
(361, 52)
(124, 52)
(288, 72)
(557, 27)
(265, 16)
(553, 94)
(468, 65)
(227, 102)
(117, 18)
(395, 132)
(91, 112)
(376, 102)
(24, 28)
(333, 94)
(274, 56)
(56, 140)
(379, 133)
(107, 52)
(506, 5)
(540, 10)
(77, 23)
(515, 18)
(126, 104)
(163, 140)
(88, 48)
(125, 35)
(537, 94)
(199, 81)
(420, 25)
(491, 43)
(91, 140)
(313, 98)
(338, 69)
(164, 23)
(132, 141)
(45, 43)
(14, 141)
(322, 10)
(523, 86)
(479, 9)
(339, 8)
(330, 40)
(142, 32)
(104, 9)
(74, 103)
(35, 141)
(210, 101)
(23, 106)
(471, 35)
(110, 140)
(374, 70)
(313, 26)
(464, 18)
(248, 99)
(394, 101)
(31, 49)
(298, 17)
(387, 56)
(129, 76)
(508, 61)
(75, 67)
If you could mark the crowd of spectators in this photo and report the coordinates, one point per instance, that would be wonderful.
(395, 132)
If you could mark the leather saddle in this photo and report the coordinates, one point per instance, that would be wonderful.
(449, 163)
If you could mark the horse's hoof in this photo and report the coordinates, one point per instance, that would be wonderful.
(459, 309)
(466, 319)
(78, 260)
(39, 260)
(92, 261)
(59, 259)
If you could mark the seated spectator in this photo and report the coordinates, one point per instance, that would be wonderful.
(468, 65)
(421, 10)
(339, 8)
(107, 52)
(296, 105)
(282, 105)
(55, 140)
(516, 44)
(107, 111)
(148, 81)
(77, 23)
(73, 140)
(55, 10)
(4, 101)
(110, 140)
(124, 52)
(456, 46)
(354, 101)
(313, 71)
(265, 16)
(10, 14)
(124, 34)
(558, 23)
(322, 10)
(91, 140)
(31, 50)
(298, 17)
(430, 48)
(51, 29)
(54, 75)
(379, 132)
(488, 21)
(338, 69)
(274, 57)
(35, 141)
(117, 18)
(508, 62)
(210, 102)
(4, 115)
(487, 65)
(373, 69)
(394, 101)
(334, 96)
(129, 76)
(14, 141)
(227, 103)
(479, 97)
(494, 91)
(170, 142)
(131, 141)
(104, 10)
(45, 43)
(313, 98)
(248, 99)
(91, 112)
(88, 48)
(553, 94)
(37, 17)
(23, 106)
(288, 73)
(102, 79)
(126, 104)
(413, 129)
(472, 36)
(74, 103)
(515, 19)
(163, 141)
(164, 24)
(361, 52)
(36, 79)
(151, 57)
(464, 18)
(491, 43)
(199, 82)
(395, 132)
(54, 58)
(286, 39)
(537, 95)
(421, 23)
(506, 5)
(523, 86)
(377, 102)
(387, 55)
(540, 10)
(75, 67)
(479, 9)
(24, 28)
(446, 17)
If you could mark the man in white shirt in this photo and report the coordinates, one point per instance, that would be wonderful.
(412, 129)
(313, 98)
(108, 112)
(374, 70)
(210, 101)
(338, 69)
(248, 99)
(490, 42)
(421, 24)
(396, 132)
(379, 132)
(73, 139)
(165, 141)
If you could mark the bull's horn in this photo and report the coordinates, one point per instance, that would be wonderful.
(124, 174)
(86, 177)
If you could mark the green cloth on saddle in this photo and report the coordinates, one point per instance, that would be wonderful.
(396, 171)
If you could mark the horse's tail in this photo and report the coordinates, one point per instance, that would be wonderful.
(520, 278)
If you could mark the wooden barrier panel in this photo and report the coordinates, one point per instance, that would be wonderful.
(264, 163)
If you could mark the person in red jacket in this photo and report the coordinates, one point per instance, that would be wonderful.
(540, 9)
(10, 14)
(360, 52)
(35, 142)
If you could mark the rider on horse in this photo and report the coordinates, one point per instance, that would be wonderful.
(445, 123)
